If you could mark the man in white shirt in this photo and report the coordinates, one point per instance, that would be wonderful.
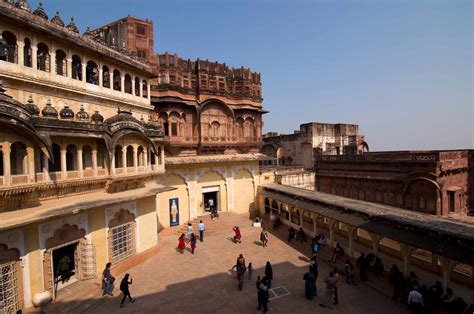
(201, 231)
(415, 301)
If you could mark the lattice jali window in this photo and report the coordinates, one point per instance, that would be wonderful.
(9, 302)
(121, 242)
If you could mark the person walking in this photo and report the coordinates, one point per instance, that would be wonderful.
(350, 272)
(362, 264)
(269, 274)
(415, 300)
(291, 234)
(250, 270)
(202, 227)
(63, 269)
(336, 286)
(193, 242)
(309, 282)
(181, 243)
(262, 294)
(329, 293)
(238, 235)
(264, 237)
(190, 230)
(107, 281)
(125, 289)
(314, 268)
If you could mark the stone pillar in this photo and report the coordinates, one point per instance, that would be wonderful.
(135, 157)
(6, 148)
(34, 56)
(375, 242)
(133, 85)
(94, 161)
(446, 266)
(79, 163)
(122, 82)
(84, 66)
(141, 88)
(63, 163)
(405, 250)
(21, 56)
(46, 168)
(301, 218)
(124, 158)
(111, 79)
(101, 77)
(331, 230)
(148, 91)
(30, 158)
(112, 165)
(315, 224)
(289, 215)
(350, 232)
(69, 67)
(145, 158)
(52, 61)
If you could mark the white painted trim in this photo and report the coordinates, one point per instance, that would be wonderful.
(214, 188)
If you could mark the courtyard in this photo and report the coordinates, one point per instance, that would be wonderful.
(171, 282)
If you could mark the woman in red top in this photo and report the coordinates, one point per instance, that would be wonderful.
(238, 236)
(181, 243)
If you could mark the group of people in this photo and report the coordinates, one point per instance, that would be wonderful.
(108, 285)
(423, 299)
(191, 238)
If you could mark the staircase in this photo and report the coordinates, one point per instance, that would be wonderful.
(220, 226)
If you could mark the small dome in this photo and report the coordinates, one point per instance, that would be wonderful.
(66, 113)
(88, 32)
(23, 4)
(82, 115)
(72, 26)
(97, 118)
(57, 20)
(31, 107)
(40, 12)
(49, 111)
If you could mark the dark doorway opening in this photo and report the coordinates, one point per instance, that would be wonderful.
(65, 265)
(207, 197)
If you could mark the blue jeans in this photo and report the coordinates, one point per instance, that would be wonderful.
(201, 235)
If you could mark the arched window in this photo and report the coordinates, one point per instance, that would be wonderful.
(101, 156)
(18, 160)
(105, 77)
(289, 160)
(92, 73)
(87, 157)
(129, 156)
(141, 156)
(27, 53)
(137, 86)
(118, 156)
(240, 128)
(61, 63)
(55, 164)
(71, 157)
(248, 128)
(145, 89)
(43, 57)
(215, 130)
(128, 84)
(10, 53)
(422, 202)
(152, 157)
(76, 68)
(117, 80)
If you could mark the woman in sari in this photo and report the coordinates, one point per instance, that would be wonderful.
(107, 281)
(181, 243)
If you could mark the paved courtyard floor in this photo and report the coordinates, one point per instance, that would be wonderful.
(171, 282)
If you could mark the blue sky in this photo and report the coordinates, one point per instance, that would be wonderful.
(401, 69)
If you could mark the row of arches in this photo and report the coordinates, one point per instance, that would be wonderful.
(88, 71)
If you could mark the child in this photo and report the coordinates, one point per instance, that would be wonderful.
(250, 270)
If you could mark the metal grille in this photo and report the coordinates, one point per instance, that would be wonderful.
(277, 292)
(88, 265)
(122, 242)
(8, 289)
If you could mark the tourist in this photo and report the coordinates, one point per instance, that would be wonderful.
(125, 290)
(291, 234)
(361, 263)
(107, 281)
(263, 295)
(301, 236)
(193, 243)
(448, 300)
(415, 300)
(394, 278)
(63, 269)
(276, 223)
(329, 292)
(322, 241)
(350, 272)
(336, 253)
(336, 285)
(202, 227)
(250, 270)
(264, 237)
(269, 274)
(241, 273)
(190, 230)
(314, 268)
(435, 293)
(238, 235)
(378, 267)
(309, 283)
(181, 243)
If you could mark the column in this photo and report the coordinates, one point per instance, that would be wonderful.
(124, 159)
(315, 224)
(69, 67)
(21, 56)
(301, 218)
(111, 79)
(63, 163)
(375, 242)
(34, 56)
(446, 265)
(350, 231)
(148, 91)
(94, 161)
(79, 163)
(133, 85)
(84, 66)
(141, 88)
(289, 215)
(331, 230)
(6, 148)
(145, 157)
(135, 158)
(112, 165)
(405, 250)
(52, 61)
(101, 76)
(46, 168)
(30, 159)
(122, 82)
